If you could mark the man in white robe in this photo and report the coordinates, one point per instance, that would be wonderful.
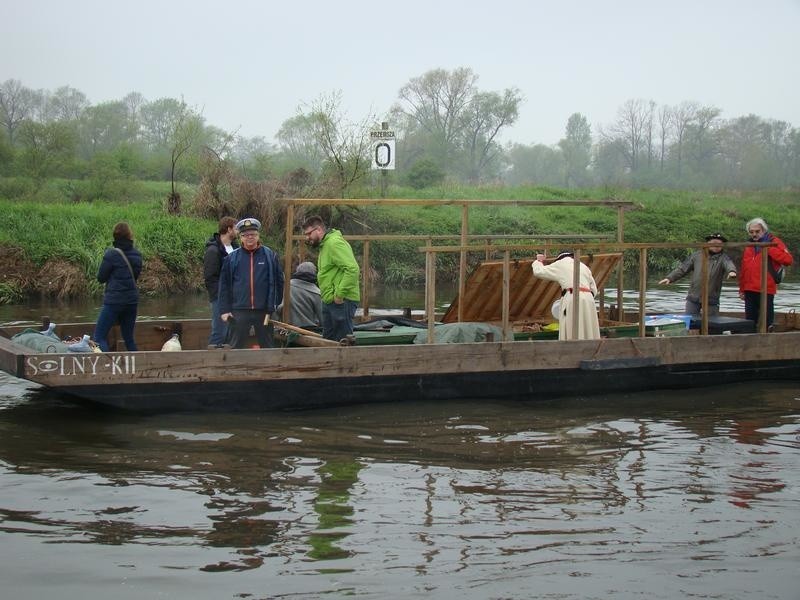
(561, 271)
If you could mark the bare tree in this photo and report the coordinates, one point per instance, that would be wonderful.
(486, 114)
(134, 101)
(299, 143)
(68, 104)
(665, 120)
(16, 105)
(185, 132)
(436, 100)
(682, 117)
(648, 131)
(344, 144)
(630, 130)
(434, 103)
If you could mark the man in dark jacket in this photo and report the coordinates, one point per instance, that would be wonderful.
(250, 286)
(720, 266)
(218, 247)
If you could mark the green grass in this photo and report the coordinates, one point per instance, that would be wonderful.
(79, 232)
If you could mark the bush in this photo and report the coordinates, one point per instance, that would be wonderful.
(424, 173)
(16, 187)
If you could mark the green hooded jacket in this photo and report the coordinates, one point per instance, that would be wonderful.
(337, 269)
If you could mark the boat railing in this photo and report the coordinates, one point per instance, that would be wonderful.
(543, 243)
(544, 240)
(295, 209)
(431, 253)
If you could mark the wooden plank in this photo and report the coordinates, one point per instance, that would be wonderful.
(12, 357)
(279, 364)
(530, 298)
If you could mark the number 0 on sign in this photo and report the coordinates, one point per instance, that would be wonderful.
(383, 154)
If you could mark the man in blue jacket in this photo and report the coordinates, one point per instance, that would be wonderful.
(250, 286)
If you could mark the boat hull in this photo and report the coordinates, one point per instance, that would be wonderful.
(303, 378)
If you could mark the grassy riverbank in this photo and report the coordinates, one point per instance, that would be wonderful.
(54, 245)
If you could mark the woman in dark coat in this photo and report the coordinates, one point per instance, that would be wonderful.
(119, 270)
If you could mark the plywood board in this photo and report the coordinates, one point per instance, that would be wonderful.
(530, 298)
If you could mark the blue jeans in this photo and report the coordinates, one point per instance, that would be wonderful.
(110, 315)
(337, 319)
(219, 329)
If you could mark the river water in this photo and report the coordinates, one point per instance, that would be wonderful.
(661, 494)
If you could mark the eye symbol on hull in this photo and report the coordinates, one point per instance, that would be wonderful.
(48, 366)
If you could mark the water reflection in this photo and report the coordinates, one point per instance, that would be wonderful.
(483, 500)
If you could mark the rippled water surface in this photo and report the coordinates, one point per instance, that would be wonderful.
(656, 495)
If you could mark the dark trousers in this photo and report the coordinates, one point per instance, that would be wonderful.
(337, 320)
(240, 328)
(110, 315)
(752, 307)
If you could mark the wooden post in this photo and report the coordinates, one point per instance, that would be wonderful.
(507, 334)
(365, 273)
(430, 295)
(762, 304)
(620, 268)
(287, 261)
(462, 264)
(576, 291)
(384, 172)
(642, 290)
(704, 293)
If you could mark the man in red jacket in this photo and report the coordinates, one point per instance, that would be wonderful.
(750, 273)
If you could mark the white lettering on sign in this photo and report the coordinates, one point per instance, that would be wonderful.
(84, 364)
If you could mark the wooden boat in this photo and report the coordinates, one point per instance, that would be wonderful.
(300, 378)
(503, 367)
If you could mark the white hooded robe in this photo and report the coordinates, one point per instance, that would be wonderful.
(560, 271)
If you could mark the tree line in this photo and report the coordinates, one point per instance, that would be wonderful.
(448, 129)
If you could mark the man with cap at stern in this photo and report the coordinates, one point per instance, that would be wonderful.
(719, 265)
(250, 286)
(338, 276)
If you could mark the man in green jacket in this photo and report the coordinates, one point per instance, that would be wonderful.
(337, 277)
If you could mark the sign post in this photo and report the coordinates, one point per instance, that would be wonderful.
(383, 154)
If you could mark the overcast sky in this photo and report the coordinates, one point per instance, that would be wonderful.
(249, 65)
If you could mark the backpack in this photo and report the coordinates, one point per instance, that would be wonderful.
(777, 274)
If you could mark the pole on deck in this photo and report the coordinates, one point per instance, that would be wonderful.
(576, 291)
(642, 289)
(507, 334)
(704, 293)
(462, 263)
(430, 294)
(762, 303)
(287, 259)
(365, 274)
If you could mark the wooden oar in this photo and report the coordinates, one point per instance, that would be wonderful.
(296, 329)
(316, 338)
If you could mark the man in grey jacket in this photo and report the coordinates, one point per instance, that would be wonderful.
(719, 265)
(305, 300)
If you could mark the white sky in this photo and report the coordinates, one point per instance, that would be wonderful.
(248, 65)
